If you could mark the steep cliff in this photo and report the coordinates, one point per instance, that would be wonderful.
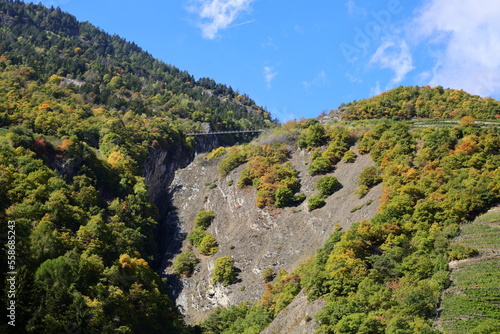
(159, 169)
(160, 165)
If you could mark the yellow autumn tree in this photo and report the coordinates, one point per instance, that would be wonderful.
(467, 121)
(121, 162)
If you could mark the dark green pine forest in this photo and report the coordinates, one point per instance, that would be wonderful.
(82, 113)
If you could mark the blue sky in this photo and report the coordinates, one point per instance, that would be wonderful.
(300, 58)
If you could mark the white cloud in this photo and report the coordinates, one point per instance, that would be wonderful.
(394, 55)
(354, 9)
(423, 76)
(467, 33)
(269, 75)
(319, 80)
(374, 91)
(218, 14)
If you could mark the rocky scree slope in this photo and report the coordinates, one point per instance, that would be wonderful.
(255, 238)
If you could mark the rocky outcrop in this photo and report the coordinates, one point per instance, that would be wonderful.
(159, 170)
(160, 165)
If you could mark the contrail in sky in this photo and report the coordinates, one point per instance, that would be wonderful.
(240, 24)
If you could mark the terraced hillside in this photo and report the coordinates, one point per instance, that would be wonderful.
(472, 302)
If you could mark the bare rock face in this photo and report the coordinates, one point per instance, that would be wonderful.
(159, 170)
(160, 165)
(256, 239)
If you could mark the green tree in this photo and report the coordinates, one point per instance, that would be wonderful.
(489, 326)
(315, 202)
(196, 236)
(208, 245)
(268, 275)
(224, 271)
(184, 263)
(327, 185)
(349, 157)
(314, 136)
(283, 197)
(46, 242)
(369, 177)
(21, 137)
(350, 324)
(55, 281)
(204, 218)
(233, 159)
(320, 165)
(467, 121)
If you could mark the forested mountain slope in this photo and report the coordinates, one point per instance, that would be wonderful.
(421, 102)
(382, 275)
(50, 47)
(92, 132)
(88, 120)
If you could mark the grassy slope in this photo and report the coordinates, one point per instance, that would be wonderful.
(472, 302)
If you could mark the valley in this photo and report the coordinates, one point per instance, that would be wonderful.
(380, 216)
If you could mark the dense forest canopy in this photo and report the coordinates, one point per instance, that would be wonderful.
(49, 47)
(422, 102)
(80, 111)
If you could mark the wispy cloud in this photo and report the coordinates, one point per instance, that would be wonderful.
(352, 78)
(218, 14)
(283, 114)
(355, 10)
(374, 91)
(298, 29)
(394, 55)
(270, 43)
(319, 80)
(269, 75)
(467, 33)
